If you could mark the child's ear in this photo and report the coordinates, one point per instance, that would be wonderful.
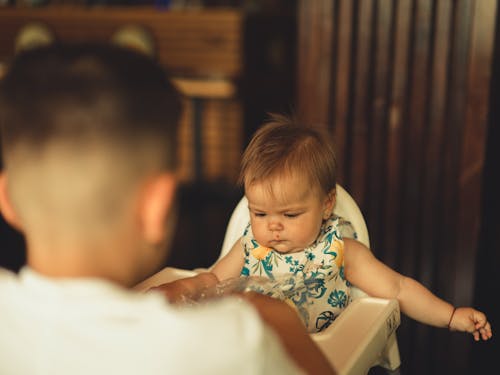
(155, 205)
(329, 203)
(6, 208)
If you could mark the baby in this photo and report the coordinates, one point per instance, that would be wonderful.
(289, 176)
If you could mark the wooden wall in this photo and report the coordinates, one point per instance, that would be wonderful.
(403, 85)
(188, 42)
(198, 44)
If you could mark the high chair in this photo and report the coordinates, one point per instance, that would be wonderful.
(364, 335)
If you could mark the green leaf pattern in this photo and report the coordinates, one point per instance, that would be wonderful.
(311, 279)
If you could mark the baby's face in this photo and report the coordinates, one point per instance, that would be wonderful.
(286, 213)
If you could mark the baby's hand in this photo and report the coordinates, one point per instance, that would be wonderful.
(187, 290)
(467, 319)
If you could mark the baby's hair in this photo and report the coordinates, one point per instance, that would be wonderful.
(81, 125)
(283, 145)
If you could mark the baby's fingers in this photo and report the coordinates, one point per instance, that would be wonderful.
(485, 331)
(476, 335)
(478, 318)
(485, 335)
(480, 322)
(482, 331)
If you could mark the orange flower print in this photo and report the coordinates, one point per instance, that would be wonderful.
(260, 252)
(338, 247)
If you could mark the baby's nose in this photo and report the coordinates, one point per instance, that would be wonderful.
(275, 225)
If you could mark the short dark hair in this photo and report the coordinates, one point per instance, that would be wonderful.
(125, 96)
(82, 125)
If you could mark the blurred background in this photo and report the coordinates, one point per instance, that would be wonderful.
(407, 89)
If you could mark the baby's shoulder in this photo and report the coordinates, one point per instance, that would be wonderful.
(342, 227)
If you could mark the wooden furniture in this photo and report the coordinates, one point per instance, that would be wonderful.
(199, 43)
(404, 88)
(202, 49)
(198, 91)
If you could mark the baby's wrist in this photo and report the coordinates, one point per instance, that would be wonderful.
(208, 279)
(452, 315)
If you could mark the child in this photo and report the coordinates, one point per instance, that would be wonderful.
(88, 140)
(289, 175)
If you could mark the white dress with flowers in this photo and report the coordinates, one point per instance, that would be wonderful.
(312, 280)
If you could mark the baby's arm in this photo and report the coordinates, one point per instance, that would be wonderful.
(187, 289)
(231, 264)
(375, 278)
(190, 288)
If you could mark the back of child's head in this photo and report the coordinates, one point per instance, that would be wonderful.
(282, 147)
(81, 125)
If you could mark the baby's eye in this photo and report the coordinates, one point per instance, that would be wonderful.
(292, 215)
(259, 214)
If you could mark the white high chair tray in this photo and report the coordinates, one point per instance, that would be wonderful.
(362, 336)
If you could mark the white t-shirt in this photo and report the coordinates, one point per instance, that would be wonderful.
(90, 326)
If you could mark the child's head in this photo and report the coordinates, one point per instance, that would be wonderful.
(289, 175)
(82, 127)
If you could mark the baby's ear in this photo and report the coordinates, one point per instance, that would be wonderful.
(329, 203)
(6, 207)
(155, 205)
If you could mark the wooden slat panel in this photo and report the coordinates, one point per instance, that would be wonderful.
(451, 153)
(201, 43)
(435, 132)
(222, 140)
(341, 81)
(358, 169)
(414, 144)
(314, 63)
(379, 111)
(474, 136)
(471, 160)
(454, 356)
(397, 124)
(435, 139)
(397, 121)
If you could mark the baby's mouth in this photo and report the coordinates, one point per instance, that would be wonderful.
(277, 242)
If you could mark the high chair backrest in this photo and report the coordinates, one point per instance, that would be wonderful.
(345, 207)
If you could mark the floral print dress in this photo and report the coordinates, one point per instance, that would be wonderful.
(311, 280)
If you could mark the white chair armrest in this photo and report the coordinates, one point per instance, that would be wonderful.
(166, 275)
(358, 338)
